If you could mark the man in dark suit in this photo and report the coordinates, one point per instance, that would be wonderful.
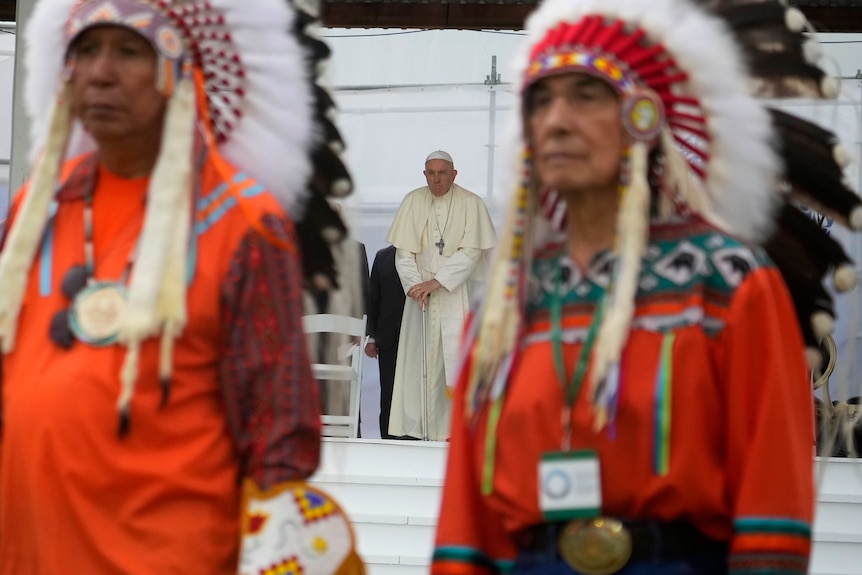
(385, 308)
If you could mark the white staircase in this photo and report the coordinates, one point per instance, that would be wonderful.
(391, 490)
(838, 524)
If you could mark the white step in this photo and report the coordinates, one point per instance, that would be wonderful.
(391, 491)
(838, 518)
(837, 534)
(403, 540)
(839, 476)
(374, 568)
(382, 499)
(383, 458)
(833, 558)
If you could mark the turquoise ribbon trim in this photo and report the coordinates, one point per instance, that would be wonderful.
(772, 525)
(228, 204)
(192, 262)
(46, 260)
(218, 192)
(471, 556)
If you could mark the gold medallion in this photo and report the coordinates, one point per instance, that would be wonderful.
(96, 313)
(598, 546)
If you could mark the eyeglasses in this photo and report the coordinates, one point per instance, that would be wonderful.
(73, 283)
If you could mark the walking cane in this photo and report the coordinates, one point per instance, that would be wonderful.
(424, 376)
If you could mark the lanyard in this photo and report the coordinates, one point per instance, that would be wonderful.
(574, 386)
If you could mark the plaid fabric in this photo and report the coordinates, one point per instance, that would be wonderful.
(271, 396)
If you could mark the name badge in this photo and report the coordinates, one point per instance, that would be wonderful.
(570, 485)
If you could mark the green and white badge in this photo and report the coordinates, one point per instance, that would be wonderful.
(570, 485)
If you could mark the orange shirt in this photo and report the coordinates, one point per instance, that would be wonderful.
(739, 436)
(165, 498)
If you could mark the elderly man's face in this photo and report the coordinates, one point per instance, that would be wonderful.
(439, 174)
(575, 128)
(114, 91)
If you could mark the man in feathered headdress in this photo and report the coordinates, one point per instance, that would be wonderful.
(638, 355)
(159, 414)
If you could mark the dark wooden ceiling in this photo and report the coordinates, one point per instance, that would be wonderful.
(826, 15)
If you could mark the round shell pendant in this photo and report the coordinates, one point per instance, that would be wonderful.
(96, 313)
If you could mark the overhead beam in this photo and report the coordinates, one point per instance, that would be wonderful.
(834, 18)
(464, 15)
(426, 15)
(7, 10)
(502, 15)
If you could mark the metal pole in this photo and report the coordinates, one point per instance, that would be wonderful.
(20, 123)
(424, 375)
(859, 134)
(492, 81)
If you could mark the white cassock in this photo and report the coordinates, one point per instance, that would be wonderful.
(461, 219)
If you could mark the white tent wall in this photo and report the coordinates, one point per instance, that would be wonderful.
(418, 57)
(844, 52)
(405, 124)
(390, 132)
(405, 93)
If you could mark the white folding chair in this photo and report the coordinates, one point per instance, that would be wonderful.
(341, 425)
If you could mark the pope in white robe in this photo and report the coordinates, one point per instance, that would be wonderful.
(441, 233)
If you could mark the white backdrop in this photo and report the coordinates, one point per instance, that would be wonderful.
(403, 94)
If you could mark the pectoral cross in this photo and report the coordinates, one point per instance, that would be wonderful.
(440, 245)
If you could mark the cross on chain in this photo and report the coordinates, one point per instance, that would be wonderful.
(440, 245)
